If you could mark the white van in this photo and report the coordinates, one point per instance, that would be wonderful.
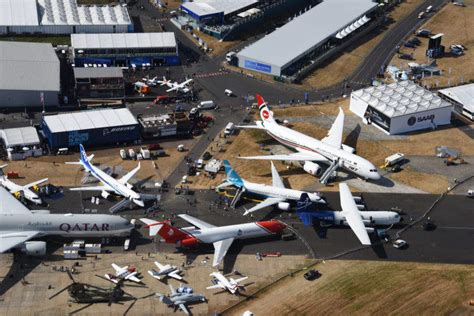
(205, 105)
(229, 55)
(229, 129)
(228, 92)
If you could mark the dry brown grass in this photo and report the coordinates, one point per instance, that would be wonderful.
(218, 47)
(427, 182)
(341, 67)
(370, 287)
(456, 23)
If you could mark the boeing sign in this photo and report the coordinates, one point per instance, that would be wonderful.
(257, 66)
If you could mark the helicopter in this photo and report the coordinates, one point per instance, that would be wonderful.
(83, 293)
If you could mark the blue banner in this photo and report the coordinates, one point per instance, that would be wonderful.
(258, 66)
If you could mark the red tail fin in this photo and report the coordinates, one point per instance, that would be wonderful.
(172, 234)
(265, 114)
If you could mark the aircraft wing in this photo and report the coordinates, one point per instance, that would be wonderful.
(10, 205)
(10, 240)
(216, 286)
(172, 89)
(334, 137)
(185, 82)
(96, 188)
(116, 267)
(184, 309)
(241, 279)
(289, 157)
(196, 222)
(276, 180)
(175, 275)
(353, 218)
(133, 278)
(267, 202)
(129, 175)
(32, 184)
(220, 249)
(250, 127)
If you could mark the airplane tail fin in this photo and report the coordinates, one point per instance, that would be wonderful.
(265, 114)
(304, 203)
(232, 176)
(169, 233)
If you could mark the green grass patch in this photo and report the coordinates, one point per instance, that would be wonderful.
(53, 39)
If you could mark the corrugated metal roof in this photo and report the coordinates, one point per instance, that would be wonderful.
(84, 120)
(307, 31)
(28, 66)
(206, 7)
(18, 12)
(463, 94)
(123, 40)
(103, 72)
(22, 136)
(400, 98)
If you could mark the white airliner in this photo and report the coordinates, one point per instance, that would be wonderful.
(221, 282)
(109, 184)
(329, 150)
(165, 271)
(123, 273)
(275, 194)
(349, 216)
(173, 86)
(18, 190)
(19, 225)
(221, 237)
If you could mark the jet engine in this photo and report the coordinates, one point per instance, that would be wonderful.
(312, 168)
(34, 248)
(284, 206)
(105, 194)
(188, 242)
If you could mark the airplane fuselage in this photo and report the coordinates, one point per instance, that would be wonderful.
(277, 192)
(66, 225)
(240, 231)
(314, 147)
(382, 218)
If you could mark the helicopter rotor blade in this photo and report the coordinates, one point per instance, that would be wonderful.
(130, 307)
(81, 309)
(60, 291)
(70, 275)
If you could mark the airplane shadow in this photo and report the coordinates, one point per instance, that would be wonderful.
(22, 265)
(352, 138)
(384, 182)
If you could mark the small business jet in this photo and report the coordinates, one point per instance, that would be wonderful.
(349, 216)
(25, 190)
(310, 151)
(123, 273)
(175, 86)
(165, 271)
(221, 237)
(221, 282)
(275, 194)
(109, 184)
(151, 82)
(181, 299)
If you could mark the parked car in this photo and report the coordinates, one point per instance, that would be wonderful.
(400, 244)
(312, 275)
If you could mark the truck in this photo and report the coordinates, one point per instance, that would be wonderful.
(394, 159)
(206, 105)
(131, 153)
(123, 154)
(145, 153)
(229, 129)
(164, 99)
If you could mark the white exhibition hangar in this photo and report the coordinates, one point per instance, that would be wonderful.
(400, 107)
(462, 97)
(62, 17)
(305, 35)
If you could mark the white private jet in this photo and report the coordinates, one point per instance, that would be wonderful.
(349, 216)
(275, 194)
(123, 273)
(109, 184)
(151, 82)
(175, 86)
(221, 282)
(165, 271)
(221, 237)
(25, 190)
(330, 150)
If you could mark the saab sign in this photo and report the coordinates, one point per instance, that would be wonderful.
(413, 120)
(257, 66)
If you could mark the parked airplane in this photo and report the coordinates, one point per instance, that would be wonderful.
(330, 150)
(25, 190)
(181, 300)
(275, 194)
(349, 216)
(109, 184)
(18, 225)
(221, 282)
(165, 271)
(151, 82)
(123, 273)
(221, 237)
(175, 86)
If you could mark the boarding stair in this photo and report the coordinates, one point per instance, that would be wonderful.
(329, 172)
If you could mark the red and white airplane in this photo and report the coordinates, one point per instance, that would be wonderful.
(311, 151)
(123, 273)
(202, 232)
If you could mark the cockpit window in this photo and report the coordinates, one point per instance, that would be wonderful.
(373, 170)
